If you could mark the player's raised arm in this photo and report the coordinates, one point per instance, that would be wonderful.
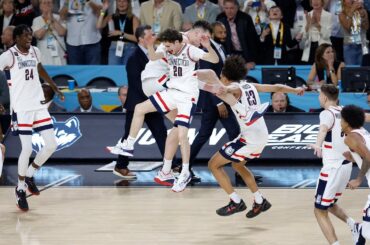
(45, 76)
(153, 55)
(278, 88)
(211, 56)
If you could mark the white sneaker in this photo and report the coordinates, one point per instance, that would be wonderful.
(181, 182)
(356, 232)
(121, 148)
(164, 179)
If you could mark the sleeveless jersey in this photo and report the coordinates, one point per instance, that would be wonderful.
(256, 133)
(333, 146)
(155, 69)
(22, 74)
(182, 66)
(358, 159)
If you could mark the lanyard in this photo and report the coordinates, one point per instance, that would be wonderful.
(281, 31)
(122, 24)
(201, 12)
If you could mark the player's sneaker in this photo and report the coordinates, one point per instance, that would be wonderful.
(253, 115)
(124, 173)
(32, 186)
(121, 148)
(21, 200)
(356, 234)
(164, 179)
(258, 208)
(181, 182)
(231, 208)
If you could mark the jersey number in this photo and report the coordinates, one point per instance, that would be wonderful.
(177, 71)
(251, 97)
(29, 74)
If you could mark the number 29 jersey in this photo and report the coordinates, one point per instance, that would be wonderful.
(256, 133)
(24, 84)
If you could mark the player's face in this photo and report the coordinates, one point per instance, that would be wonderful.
(24, 40)
(195, 37)
(172, 48)
(219, 33)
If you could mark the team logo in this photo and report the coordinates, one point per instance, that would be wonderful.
(229, 150)
(66, 132)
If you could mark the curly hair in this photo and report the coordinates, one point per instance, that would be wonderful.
(170, 35)
(234, 68)
(354, 116)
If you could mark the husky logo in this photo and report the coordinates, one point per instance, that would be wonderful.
(66, 133)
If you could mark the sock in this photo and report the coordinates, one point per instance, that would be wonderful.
(21, 185)
(350, 222)
(167, 164)
(258, 197)
(131, 141)
(235, 197)
(336, 243)
(185, 168)
(31, 171)
(239, 108)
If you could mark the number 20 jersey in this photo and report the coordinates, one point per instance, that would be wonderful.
(24, 84)
(256, 133)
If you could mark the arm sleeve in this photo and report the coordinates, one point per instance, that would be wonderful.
(327, 118)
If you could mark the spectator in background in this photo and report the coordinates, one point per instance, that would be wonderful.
(24, 12)
(219, 34)
(49, 96)
(326, 69)
(288, 8)
(4, 92)
(355, 23)
(200, 10)
(316, 30)
(7, 18)
(7, 38)
(49, 32)
(280, 103)
(85, 101)
(83, 38)
(258, 10)
(241, 35)
(335, 8)
(122, 96)
(275, 38)
(161, 15)
(122, 25)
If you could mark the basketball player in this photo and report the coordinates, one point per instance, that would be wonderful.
(2, 157)
(22, 66)
(358, 140)
(249, 144)
(336, 170)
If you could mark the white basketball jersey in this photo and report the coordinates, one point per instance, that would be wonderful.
(333, 146)
(22, 74)
(256, 133)
(358, 159)
(155, 69)
(182, 66)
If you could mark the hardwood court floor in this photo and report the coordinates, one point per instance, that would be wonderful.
(159, 216)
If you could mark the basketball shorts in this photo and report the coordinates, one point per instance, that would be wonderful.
(153, 85)
(24, 122)
(239, 150)
(331, 183)
(170, 99)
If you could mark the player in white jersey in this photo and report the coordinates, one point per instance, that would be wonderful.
(249, 144)
(336, 170)
(21, 64)
(358, 140)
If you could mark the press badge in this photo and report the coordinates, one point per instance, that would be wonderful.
(80, 18)
(277, 53)
(119, 48)
(52, 45)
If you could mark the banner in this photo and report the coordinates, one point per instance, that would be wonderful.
(85, 136)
